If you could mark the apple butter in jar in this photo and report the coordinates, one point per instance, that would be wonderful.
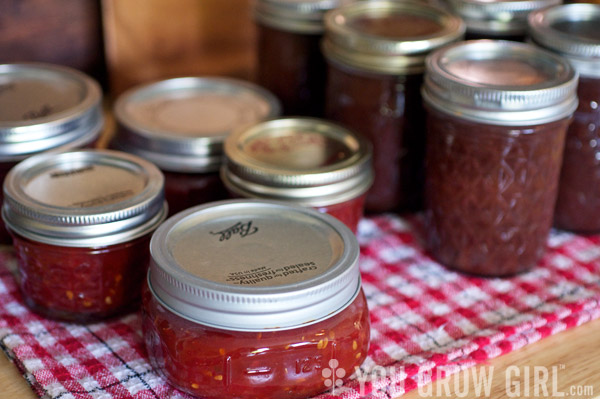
(497, 120)
(305, 161)
(81, 224)
(254, 299)
(45, 107)
(290, 62)
(376, 53)
(180, 124)
(573, 31)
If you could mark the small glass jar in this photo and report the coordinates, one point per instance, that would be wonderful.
(376, 53)
(497, 19)
(254, 299)
(498, 115)
(573, 31)
(305, 161)
(180, 125)
(81, 225)
(290, 62)
(44, 108)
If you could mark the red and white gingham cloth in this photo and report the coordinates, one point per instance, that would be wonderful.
(427, 321)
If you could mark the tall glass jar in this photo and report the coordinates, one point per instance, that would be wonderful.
(180, 125)
(498, 116)
(81, 224)
(254, 299)
(376, 53)
(501, 20)
(43, 108)
(573, 31)
(304, 161)
(290, 62)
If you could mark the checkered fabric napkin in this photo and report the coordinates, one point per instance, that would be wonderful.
(427, 321)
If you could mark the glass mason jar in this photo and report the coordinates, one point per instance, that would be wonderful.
(290, 62)
(254, 299)
(44, 108)
(305, 161)
(498, 116)
(180, 125)
(376, 53)
(81, 225)
(573, 31)
(501, 20)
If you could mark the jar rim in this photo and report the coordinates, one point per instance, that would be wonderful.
(297, 16)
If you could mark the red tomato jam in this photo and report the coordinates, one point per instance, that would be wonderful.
(375, 89)
(271, 326)
(81, 225)
(572, 31)
(305, 161)
(493, 166)
(184, 190)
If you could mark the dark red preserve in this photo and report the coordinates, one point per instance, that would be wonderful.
(255, 299)
(180, 125)
(573, 31)
(498, 112)
(81, 224)
(290, 62)
(376, 52)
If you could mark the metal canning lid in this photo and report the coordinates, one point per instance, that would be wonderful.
(45, 107)
(495, 17)
(306, 161)
(573, 31)
(180, 124)
(300, 16)
(386, 36)
(88, 198)
(500, 82)
(253, 265)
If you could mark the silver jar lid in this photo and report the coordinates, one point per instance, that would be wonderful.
(573, 31)
(306, 161)
(46, 107)
(83, 198)
(500, 82)
(387, 36)
(300, 16)
(498, 17)
(254, 265)
(180, 124)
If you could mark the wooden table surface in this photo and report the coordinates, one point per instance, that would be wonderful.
(571, 361)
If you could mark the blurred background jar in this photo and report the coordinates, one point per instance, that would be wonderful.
(498, 112)
(45, 107)
(503, 20)
(180, 125)
(304, 161)
(573, 31)
(376, 54)
(291, 64)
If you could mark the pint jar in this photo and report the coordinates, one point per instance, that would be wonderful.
(290, 62)
(45, 107)
(254, 299)
(500, 20)
(305, 161)
(498, 116)
(81, 225)
(573, 31)
(180, 125)
(376, 53)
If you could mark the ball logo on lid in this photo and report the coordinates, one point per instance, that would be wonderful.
(243, 229)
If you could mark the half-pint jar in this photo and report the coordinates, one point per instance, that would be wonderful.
(573, 31)
(254, 299)
(376, 53)
(498, 115)
(81, 225)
